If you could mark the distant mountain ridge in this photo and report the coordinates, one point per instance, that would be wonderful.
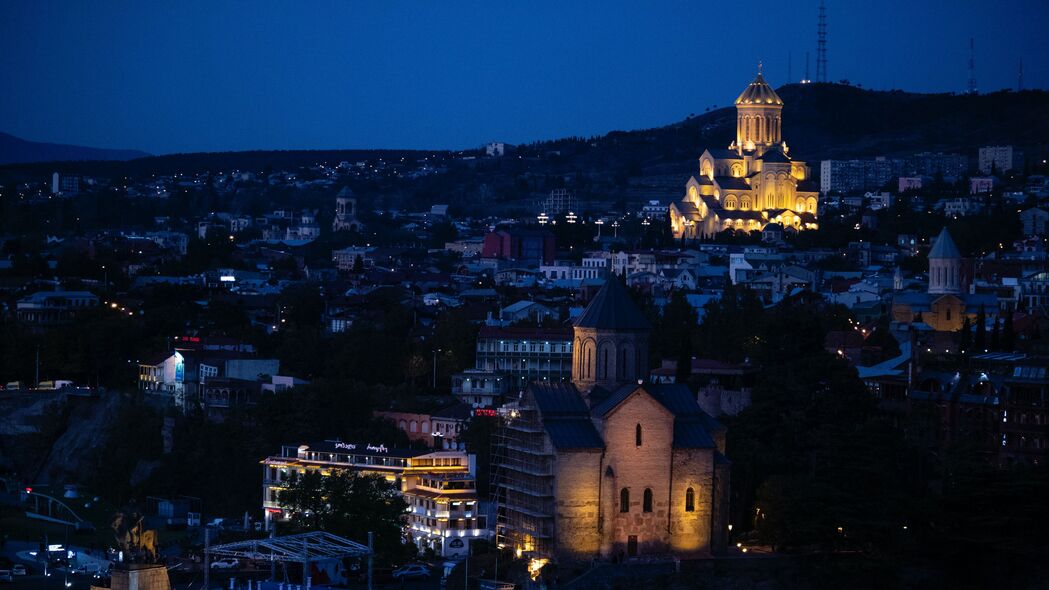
(15, 150)
(820, 121)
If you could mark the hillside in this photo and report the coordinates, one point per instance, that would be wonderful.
(820, 121)
(15, 150)
(824, 121)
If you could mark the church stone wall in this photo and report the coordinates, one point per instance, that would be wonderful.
(577, 492)
(691, 531)
(637, 468)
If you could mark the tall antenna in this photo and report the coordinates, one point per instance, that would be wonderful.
(821, 45)
(1020, 77)
(806, 80)
(972, 66)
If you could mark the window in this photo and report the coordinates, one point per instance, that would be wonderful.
(624, 500)
(647, 505)
(637, 435)
(690, 500)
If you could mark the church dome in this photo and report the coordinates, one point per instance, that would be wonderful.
(758, 93)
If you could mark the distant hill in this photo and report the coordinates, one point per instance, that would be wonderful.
(15, 150)
(820, 121)
(828, 121)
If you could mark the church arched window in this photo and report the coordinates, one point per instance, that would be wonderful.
(690, 500)
(744, 203)
(730, 202)
(624, 500)
(637, 435)
(646, 505)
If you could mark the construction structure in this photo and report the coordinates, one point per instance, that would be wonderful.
(305, 549)
(821, 45)
(522, 481)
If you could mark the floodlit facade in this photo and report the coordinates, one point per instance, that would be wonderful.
(438, 486)
(609, 466)
(752, 183)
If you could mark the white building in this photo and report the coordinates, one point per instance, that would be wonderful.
(1000, 158)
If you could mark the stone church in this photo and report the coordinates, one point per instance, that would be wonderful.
(752, 183)
(947, 301)
(608, 465)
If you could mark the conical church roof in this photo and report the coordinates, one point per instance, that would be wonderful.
(944, 247)
(612, 309)
(759, 92)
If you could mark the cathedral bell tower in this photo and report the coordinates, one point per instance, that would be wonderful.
(759, 117)
(945, 266)
(610, 341)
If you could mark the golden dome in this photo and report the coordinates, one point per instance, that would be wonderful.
(758, 93)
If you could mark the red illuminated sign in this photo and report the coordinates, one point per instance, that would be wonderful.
(485, 412)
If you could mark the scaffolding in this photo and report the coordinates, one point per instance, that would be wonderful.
(522, 481)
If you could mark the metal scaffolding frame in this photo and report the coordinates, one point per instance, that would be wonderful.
(522, 481)
(303, 548)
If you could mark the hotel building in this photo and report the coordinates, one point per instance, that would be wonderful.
(439, 487)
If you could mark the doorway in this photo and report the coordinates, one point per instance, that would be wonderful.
(631, 546)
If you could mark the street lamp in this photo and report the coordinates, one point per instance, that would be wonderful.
(543, 218)
(599, 223)
(571, 217)
(615, 228)
(435, 368)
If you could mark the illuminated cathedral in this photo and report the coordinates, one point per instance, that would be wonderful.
(752, 183)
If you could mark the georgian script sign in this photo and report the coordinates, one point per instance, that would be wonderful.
(368, 447)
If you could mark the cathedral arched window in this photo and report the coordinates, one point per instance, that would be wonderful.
(730, 202)
(646, 505)
(637, 435)
(624, 500)
(690, 500)
(744, 203)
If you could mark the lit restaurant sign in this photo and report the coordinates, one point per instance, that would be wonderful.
(368, 447)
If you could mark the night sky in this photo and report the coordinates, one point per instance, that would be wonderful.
(213, 75)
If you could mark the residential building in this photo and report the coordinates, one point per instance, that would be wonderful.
(47, 309)
(1000, 158)
(480, 389)
(525, 245)
(950, 166)
(852, 176)
(1035, 220)
(525, 354)
(65, 184)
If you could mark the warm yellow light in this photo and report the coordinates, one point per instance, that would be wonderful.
(535, 566)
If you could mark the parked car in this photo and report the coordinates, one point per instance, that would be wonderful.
(5, 576)
(225, 564)
(410, 571)
(19, 570)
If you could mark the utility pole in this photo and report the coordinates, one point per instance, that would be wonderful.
(371, 553)
(207, 556)
(36, 379)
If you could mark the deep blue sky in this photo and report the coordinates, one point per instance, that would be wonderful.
(213, 75)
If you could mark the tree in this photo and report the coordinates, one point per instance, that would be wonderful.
(981, 330)
(996, 340)
(348, 504)
(965, 336)
(1008, 337)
